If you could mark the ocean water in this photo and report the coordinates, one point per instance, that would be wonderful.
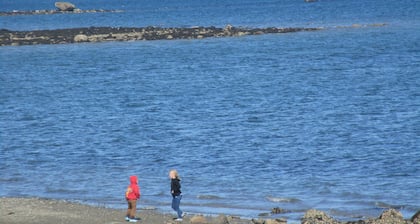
(327, 120)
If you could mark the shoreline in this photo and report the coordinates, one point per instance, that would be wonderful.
(17, 210)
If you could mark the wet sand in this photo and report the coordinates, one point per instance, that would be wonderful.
(49, 211)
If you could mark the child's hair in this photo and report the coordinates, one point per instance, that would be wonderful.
(175, 172)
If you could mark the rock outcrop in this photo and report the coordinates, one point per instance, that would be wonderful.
(199, 219)
(103, 34)
(317, 217)
(416, 218)
(387, 217)
(65, 6)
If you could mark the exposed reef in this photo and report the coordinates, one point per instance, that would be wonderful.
(103, 34)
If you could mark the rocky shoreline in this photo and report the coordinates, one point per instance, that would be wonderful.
(104, 34)
(48, 211)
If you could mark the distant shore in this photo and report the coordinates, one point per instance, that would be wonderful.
(54, 11)
(49, 211)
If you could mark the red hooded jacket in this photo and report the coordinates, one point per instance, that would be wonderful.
(133, 190)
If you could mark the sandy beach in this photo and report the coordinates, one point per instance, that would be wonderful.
(49, 211)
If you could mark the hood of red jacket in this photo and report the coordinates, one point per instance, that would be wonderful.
(133, 179)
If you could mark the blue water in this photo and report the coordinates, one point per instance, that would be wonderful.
(327, 120)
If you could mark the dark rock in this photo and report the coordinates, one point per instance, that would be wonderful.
(278, 210)
(416, 218)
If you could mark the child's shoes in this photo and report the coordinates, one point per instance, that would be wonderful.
(128, 219)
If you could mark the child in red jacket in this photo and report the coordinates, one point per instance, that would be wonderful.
(132, 195)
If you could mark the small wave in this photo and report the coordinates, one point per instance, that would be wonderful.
(380, 204)
(162, 193)
(347, 214)
(148, 208)
(64, 191)
(12, 179)
(134, 105)
(283, 200)
(207, 197)
(27, 117)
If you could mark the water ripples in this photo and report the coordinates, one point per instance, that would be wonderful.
(326, 120)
